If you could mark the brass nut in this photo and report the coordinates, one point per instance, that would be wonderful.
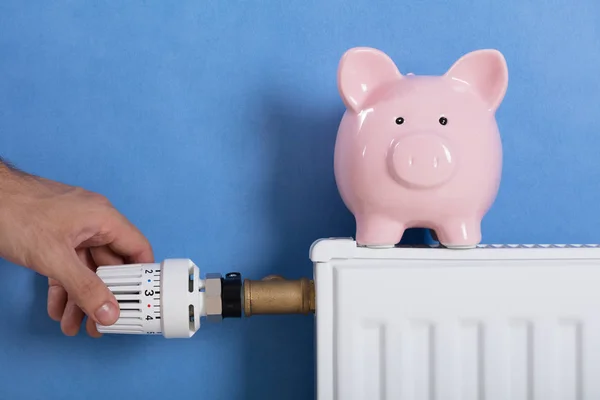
(212, 297)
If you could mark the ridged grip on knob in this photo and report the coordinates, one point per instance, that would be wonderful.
(156, 299)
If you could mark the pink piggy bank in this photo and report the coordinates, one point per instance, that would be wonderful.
(419, 151)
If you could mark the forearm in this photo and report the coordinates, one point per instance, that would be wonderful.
(19, 185)
(10, 211)
(18, 191)
(8, 179)
(6, 171)
(12, 180)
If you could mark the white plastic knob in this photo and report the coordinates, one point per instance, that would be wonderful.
(156, 299)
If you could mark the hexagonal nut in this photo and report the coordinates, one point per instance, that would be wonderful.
(212, 297)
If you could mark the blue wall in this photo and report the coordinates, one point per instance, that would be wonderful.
(211, 126)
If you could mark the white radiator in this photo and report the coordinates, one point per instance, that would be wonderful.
(423, 323)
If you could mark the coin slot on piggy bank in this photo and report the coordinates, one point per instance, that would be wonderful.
(418, 151)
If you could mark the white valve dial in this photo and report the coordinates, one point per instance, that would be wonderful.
(161, 298)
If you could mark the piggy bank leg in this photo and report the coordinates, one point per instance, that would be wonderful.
(460, 234)
(376, 231)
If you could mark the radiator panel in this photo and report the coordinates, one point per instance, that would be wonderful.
(424, 324)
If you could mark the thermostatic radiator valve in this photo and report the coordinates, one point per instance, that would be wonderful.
(170, 298)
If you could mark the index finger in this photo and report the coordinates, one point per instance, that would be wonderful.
(128, 241)
(122, 237)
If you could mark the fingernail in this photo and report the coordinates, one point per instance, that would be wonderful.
(107, 314)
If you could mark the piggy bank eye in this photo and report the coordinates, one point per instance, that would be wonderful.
(443, 120)
(399, 120)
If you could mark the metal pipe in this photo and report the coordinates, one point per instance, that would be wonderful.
(276, 295)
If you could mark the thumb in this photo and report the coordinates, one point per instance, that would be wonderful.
(88, 290)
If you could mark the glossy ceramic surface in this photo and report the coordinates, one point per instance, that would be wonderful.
(419, 151)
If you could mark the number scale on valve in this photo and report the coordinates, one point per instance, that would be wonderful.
(137, 289)
(152, 300)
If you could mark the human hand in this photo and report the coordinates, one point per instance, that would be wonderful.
(65, 233)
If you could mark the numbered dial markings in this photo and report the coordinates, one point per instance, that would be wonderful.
(151, 301)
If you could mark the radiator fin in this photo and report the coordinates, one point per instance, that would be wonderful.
(468, 359)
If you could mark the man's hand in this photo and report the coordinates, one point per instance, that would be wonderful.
(65, 233)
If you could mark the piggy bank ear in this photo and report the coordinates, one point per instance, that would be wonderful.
(486, 72)
(361, 71)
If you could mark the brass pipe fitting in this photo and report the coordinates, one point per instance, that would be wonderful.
(276, 295)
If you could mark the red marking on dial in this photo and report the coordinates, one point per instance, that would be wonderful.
(149, 306)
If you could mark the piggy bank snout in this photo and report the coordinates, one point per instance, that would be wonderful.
(421, 160)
